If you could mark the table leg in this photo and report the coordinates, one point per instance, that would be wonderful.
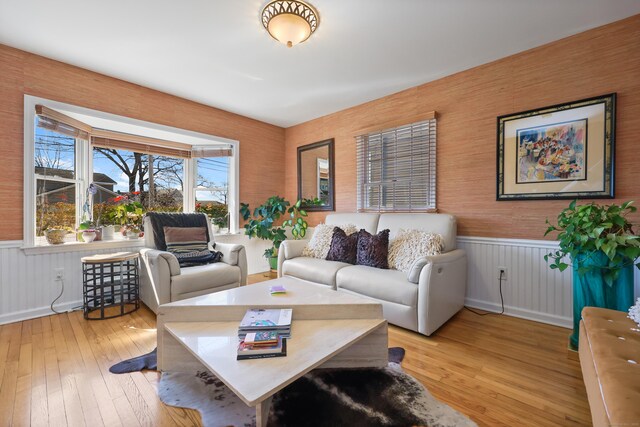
(262, 412)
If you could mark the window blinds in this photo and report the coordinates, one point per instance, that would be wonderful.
(397, 168)
(60, 123)
(104, 138)
(202, 151)
(139, 144)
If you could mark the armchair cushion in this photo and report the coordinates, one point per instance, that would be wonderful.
(189, 245)
(203, 277)
(159, 220)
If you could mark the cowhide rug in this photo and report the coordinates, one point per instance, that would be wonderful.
(323, 397)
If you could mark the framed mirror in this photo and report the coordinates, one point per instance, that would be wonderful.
(316, 175)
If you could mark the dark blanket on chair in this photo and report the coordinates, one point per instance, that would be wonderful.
(159, 220)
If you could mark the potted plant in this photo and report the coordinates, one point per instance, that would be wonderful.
(106, 219)
(600, 243)
(218, 215)
(55, 235)
(129, 213)
(264, 224)
(87, 232)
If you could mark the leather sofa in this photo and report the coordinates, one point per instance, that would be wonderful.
(610, 359)
(423, 306)
(162, 280)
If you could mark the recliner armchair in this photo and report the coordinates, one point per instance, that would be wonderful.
(162, 280)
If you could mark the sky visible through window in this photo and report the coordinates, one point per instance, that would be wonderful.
(56, 151)
(212, 179)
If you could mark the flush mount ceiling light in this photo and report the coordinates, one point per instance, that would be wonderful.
(290, 21)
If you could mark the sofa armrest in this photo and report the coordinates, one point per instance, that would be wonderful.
(290, 249)
(413, 275)
(441, 289)
(156, 270)
(234, 254)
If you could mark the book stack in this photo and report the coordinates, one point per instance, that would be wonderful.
(263, 333)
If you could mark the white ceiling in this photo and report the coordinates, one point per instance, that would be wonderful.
(216, 51)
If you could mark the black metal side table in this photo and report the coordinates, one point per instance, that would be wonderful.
(110, 285)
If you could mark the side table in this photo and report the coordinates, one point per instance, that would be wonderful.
(110, 281)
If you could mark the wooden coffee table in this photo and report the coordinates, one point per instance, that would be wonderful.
(330, 329)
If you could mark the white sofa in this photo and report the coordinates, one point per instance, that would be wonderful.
(423, 306)
(162, 280)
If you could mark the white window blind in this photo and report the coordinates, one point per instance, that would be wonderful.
(397, 169)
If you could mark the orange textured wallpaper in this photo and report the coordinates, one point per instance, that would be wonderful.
(261, 144)
(596, 62)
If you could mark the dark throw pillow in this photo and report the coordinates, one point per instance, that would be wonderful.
(373, 250)
(343, 247)
(189, 245)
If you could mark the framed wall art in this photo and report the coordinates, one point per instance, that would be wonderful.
(565, 151)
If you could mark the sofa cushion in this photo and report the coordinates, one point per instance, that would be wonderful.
(320, 242)
(410, 245)
(386, 285)
(442, 224)
(344, 248)
(368, 221)
(201, 277)
(313, 269)
(373, 250)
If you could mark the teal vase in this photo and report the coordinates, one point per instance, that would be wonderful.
(590, 289)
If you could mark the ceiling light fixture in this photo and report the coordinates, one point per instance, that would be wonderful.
(290, 21)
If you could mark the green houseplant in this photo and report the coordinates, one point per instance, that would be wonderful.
(129, 213)
(264, 223)
(600, 243)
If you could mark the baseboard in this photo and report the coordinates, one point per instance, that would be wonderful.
(565, 322)
(19, 316)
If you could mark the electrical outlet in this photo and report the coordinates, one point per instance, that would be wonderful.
(504, 272)
(59, 273)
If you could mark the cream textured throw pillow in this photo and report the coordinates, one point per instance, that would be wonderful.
(318, 246)
(410, 245)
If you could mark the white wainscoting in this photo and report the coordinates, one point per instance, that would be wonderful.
(256, 263)
(532, 290)
(28, 285)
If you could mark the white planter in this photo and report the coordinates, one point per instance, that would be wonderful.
(88, 236)
(107, 232)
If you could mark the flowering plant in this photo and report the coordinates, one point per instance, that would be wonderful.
(217, 212)
(130, 211)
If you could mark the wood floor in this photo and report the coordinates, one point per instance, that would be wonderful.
(500, 371)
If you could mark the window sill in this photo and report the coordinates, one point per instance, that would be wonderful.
(82, 247)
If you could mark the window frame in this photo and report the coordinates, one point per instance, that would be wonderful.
(364, 170)
(84, 165)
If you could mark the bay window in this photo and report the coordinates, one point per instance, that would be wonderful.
(85, 165)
